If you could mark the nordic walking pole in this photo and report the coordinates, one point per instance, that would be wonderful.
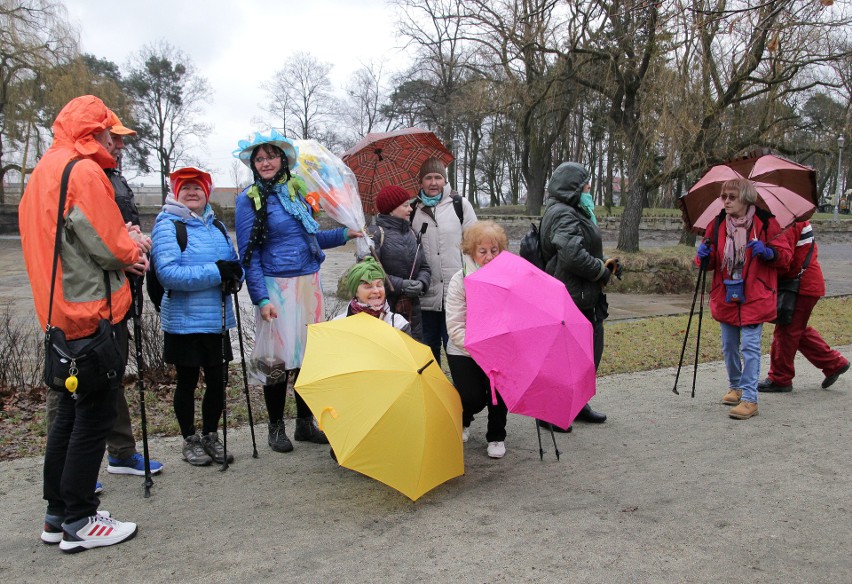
(540, 449)
(417, 249)
(224, 466)
(703, 274)
(136, 295)
(245, 373)
(698, 282)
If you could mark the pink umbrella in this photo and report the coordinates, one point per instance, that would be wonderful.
(528, 336)
(785, 188)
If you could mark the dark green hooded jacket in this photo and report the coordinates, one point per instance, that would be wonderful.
(571, 243)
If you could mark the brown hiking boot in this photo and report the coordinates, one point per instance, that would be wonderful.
(743, 411)
(732, 398)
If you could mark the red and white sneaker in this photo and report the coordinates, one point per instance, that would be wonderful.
(52, 533)
(95, 531)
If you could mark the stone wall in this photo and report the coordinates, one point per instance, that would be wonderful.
(656, 228)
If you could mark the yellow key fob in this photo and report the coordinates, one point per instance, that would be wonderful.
(71, 383)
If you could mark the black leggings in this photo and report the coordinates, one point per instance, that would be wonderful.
(211, 405)
(475, 391)
(276, 396)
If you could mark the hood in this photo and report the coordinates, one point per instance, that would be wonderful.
(77, 124)
(180, 211)
(566, 184)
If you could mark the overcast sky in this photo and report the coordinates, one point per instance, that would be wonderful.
(237, 45)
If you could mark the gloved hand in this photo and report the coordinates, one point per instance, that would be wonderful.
(761, 250)
(614, 266)
(231, 273)
(412, 288)
(704, 250)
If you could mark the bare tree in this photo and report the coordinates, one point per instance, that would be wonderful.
(300, 95)
(169, 97)
(363, 111)
(34, 36)
(239, 174)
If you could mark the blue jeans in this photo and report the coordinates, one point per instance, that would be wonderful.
(741, 349)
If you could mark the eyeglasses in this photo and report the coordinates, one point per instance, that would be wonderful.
(260, 159)
(725, 197)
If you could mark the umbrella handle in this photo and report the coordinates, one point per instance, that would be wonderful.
(331, 412)
(491, 378)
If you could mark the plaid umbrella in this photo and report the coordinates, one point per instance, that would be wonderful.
(785, 188)
(392, 158)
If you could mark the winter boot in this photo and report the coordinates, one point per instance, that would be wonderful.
(307, 431)
(214, 448)
(278, 440)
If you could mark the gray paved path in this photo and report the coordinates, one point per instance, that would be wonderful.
(669, 489)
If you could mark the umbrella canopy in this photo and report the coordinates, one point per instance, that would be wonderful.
(529, 337)
(785, 188)
(386, 407)
(392, 158)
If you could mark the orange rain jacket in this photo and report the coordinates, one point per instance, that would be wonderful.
(94, 238)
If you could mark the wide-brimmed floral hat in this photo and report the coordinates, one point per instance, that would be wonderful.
(246, 147)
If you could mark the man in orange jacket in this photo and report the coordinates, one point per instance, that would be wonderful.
(95, 248)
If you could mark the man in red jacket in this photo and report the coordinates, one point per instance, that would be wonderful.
(798, 336)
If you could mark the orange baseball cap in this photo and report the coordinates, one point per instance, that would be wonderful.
(116, 127)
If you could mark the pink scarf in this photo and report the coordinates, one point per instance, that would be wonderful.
(736, 238)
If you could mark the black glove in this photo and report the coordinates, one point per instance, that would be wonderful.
(614, 265)
(412, 288)
(604, 279)
(231, 273)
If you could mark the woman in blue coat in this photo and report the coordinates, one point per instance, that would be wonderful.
(281, 246)
(195, 279)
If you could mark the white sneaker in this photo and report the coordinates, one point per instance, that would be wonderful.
(52, 533)
(96, 531)
(496, 449)
(465, 434)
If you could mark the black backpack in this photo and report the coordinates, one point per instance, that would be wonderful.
(457, 205)
(152, 283)
(531, 247)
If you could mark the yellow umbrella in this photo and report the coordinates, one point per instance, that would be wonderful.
(386, 407)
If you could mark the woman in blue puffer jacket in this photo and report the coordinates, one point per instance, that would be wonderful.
(281, 247)
(196, 280)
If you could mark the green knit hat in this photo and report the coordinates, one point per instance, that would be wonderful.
(366, 270)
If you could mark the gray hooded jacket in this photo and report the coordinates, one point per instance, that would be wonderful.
(571, 243)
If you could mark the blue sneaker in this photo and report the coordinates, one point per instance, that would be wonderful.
(134, 465)
(99, 488)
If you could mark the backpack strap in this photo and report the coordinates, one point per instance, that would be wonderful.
(458, 205)
(180, 234)
(57, 242)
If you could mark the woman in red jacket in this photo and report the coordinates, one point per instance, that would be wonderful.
(797, 335)
(744, 251)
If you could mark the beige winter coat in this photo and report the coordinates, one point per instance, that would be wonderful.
(455, 308)
(442, 244)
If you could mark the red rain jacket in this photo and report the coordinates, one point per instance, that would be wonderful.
(761, 278)
(800, 236)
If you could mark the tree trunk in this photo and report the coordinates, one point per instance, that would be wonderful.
(628, 235)
(536, 179)
(476, 139)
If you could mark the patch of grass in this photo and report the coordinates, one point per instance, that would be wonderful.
(627, 348)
